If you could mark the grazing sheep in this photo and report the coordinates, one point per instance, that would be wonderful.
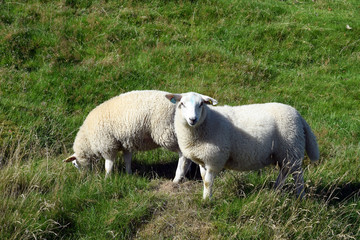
(133, 121)
(242, 138)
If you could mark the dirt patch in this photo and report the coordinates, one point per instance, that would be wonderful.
(186, 188)
(182, 217)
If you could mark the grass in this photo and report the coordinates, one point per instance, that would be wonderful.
(59, 59)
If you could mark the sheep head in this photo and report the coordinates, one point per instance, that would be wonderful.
(192, 106)
(72, 159)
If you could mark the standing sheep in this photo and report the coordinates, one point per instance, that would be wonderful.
(242, 138)
(133, 121)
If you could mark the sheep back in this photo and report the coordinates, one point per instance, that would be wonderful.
(268, 133)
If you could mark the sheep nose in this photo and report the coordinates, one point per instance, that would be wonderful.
(192, 120)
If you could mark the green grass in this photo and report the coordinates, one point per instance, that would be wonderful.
(47, 200)
(60, 59)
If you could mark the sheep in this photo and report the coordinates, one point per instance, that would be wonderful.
(133, 121)
(242, 138)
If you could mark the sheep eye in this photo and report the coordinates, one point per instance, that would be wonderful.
(182, 104)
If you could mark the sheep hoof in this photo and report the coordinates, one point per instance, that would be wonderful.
(179, 180)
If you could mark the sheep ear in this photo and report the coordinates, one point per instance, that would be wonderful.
(70, 159)
(209, 100)
(174, 98)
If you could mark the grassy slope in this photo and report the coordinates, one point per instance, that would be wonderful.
(58, 60)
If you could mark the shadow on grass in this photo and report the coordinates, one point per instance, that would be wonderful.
(331, 194)
(337, 193)
(163, 170)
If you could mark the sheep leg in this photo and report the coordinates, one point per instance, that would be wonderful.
(182, 168)
(284, 171)
(208, 183)
(109, 163)
(202, 172)
(299, 183)
(127, 159)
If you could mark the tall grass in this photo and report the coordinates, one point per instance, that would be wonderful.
(59, 59)
(45, 199)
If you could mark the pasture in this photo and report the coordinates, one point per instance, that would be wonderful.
(60, 59)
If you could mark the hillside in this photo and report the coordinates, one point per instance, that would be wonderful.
(60, 59)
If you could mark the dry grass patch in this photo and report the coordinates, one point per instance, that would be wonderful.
(181, 217)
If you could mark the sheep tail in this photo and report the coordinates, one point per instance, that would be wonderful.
(311, 145)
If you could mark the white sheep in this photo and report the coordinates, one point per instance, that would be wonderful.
(242, 138)
(133, 121)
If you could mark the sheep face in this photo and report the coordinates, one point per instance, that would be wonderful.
(75, 164)
(73, 160)
(191, 106)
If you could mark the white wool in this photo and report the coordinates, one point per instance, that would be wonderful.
(133, 121)
(242, 138)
